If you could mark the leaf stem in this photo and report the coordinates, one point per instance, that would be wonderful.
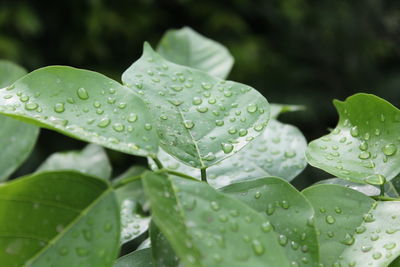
(384, 198)
(203, 175)
(157, 162)
(179, 174)
(382, 187)
(126, 181)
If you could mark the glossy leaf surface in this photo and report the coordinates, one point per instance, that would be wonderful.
(289, 212)
(58, 218)
(17, 139)
(82, 104)
(363, 147)
(278, 151)
(189, 48)
(163, 254)
(354, 229)
(92, 160)
(200, 119)
(196, 219)
(366, 189)
(138, 258)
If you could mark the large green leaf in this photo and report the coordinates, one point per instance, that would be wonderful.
(17, 139)
(132, 203)
(163, 254)
(92, 160)
(363, 147)
(189, 48)
(138, 258)
(289, 212)
(208, 228)
(82, 104)
(200, 119)
(354, 229)
(278, 151)
(58, 219)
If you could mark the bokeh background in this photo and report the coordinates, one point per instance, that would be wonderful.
(293, 51)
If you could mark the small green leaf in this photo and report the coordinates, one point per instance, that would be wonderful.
(92, 160)
(163, 254)
(363, 147)
(84, 105)
(17, 139)
(366, 189)
(138, 258)
(278, 151)
(200, 119)
(189, 48)
(289, 212)
(208, 228)
(277, 109)
(354, 229)
(132, 203)
(60, 219)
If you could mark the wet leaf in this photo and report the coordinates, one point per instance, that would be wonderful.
(163, 254)
(366, 189)
(363, 147)
(277, 109)
(200, 119)
(208, 228)
(138, 258)
(84, 105)
(91, 160)
(60, 219)
(288, 211)
(189, 48)
(278, 151)
(354, 229)
(17, 139)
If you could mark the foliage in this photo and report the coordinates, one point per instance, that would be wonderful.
(218, 192)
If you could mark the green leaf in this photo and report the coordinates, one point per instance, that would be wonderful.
(363, 147)
(289, 212)
(92, 160)
(163, 254)
(132, 203)
(200, 119)
(354, 229)
(189, 48)
(138, 258)
(84, 105)
(60, 219)
(17, 139)
(208, 228)
(278, 151)
(366, 189)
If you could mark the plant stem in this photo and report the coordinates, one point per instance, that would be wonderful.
(179, 174)
(382, 187)
(123, 182)
(157, 162)
(203, 175)
(383, 198)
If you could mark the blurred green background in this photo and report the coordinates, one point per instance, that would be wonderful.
(293, 51)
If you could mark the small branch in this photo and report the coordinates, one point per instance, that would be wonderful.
(179, 174)
(203, 175)
(382, 187)
(126, 181)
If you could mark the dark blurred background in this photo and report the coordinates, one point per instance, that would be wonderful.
(293, 51)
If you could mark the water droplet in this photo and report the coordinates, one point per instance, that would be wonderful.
(206, 86)
(188, 124)
(197, 101)
(251, 108)
(82, 251)
(82, 93)
(290, 154)
(364, 155)
(375, 179)
(118, 127)
(257, 195)
(354, 131)
(361, 229)
(330, 219)
(148, 126)
(348, 240)
(31, 106)
(132, 117)
(270, 209)
(202, 109)
(176, 88)
(209, 157)
(363, 146)
(258, 248)
(104, 122)
(366, 248)
(59, 107)
(282, 240)
(214, 206)
(232, 130)
(219, 122)
(376, 255)
(242, 132)
(285, 204)
(227, 148)
(266, 227)
(389, 149)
